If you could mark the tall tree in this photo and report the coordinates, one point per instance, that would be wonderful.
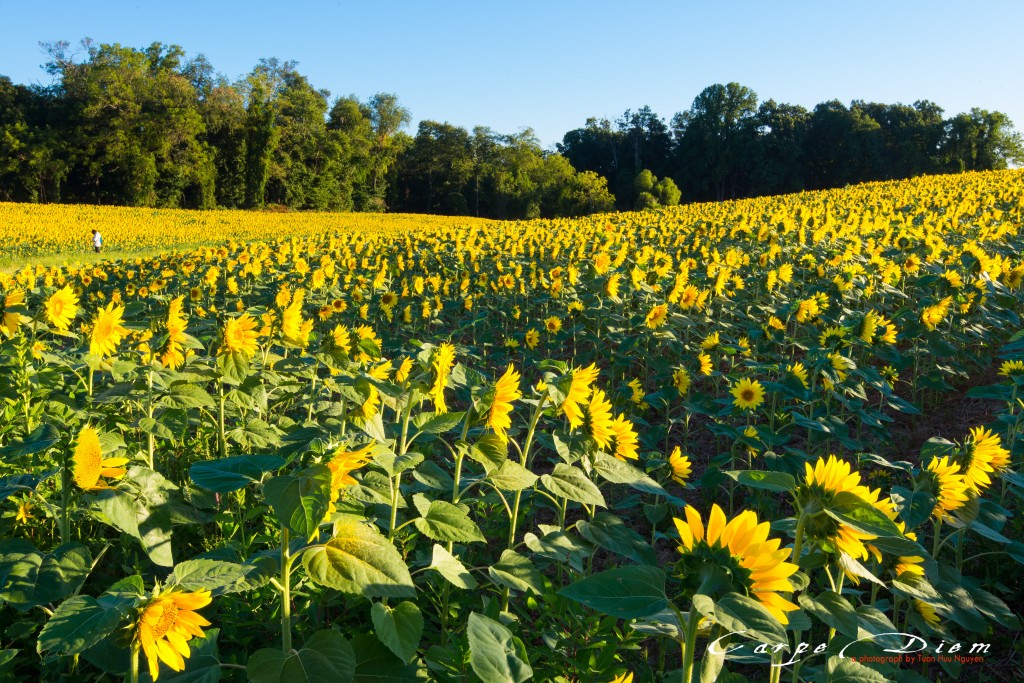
(981, 140)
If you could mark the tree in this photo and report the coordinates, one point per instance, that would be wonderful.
(387, 117)
(715, 138)
(777, 167)
(980, 141)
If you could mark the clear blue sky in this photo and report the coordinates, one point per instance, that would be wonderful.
(549, 65)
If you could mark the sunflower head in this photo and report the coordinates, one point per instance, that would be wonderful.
(734, 556)
(947, 484)
(165, 625)
(680, 466)
(89, 464)
(982, 456)
(747, 394)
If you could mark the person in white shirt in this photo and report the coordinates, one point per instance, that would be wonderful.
(97, 241)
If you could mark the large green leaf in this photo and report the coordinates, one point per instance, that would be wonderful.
(609, 532)
(377, 664)
(739, 613)
(856, 512)
(566, 481)
(620, 472)
(490, 451)
(780, 482)
(632, 592)
(81, 622)
(300, 500)
(915, 506)
(437, 423)
(449, 566)
(517, 572)
(359, 560)
(399, 628)
(216, 576)
(37, 578)
(832, 609)
(44, 436)
(327, 657)
(442, 521)
(846, 670)
(494, 654)
(512, 476)
(230, 474)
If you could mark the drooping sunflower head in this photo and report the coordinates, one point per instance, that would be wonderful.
(166, 624)
(818, 491)
(579, 390)
(506, 391)
(947, 485)
(799, 371)
(983, 455)
(735, 556)
(657, 316)
(442, 361)
(89, 465)
(1012, 368)
(681, 380)
(626, 439)
(599, 414)
(680, 466)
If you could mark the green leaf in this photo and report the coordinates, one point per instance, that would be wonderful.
(399, 628)
(359, 560)
(853, 510)
(780, 482)
(493, 654)
(852, 566)
(234, 367)
(512, 476)
(81, 622)
(327, 657)
(444, 521)
(376, 664)
(188, 395)
(216, 576)
(619, 472)
(832, 609)
(41, 438)
(846, 670)
(490, 451)
(736, 613)
(451, 568)
(560, 547)
(609, 532)
(632, 592)
(37, 578)
(915, 507)
(230, 474)
(566, 481)
(517, 572)
(300, 500)
(21, 483)
(437, 423)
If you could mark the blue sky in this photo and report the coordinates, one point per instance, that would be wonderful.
(550, 65)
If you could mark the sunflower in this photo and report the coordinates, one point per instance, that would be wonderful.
(711, 341)
(624, 678)
(10, 316)
(948, 486)
(532, 338)
(626, 439)
(1011, 368)
(240, 336)
(90, 465)
(61, 308)
(706, 366)
(748, 394)
(173, 357)
(927, 613)
(736, 556)
(680, 466)
(107, 331)
(808, 310)
(553, 324)
(342, 464)
(443, 360)
(166, 625)
(23, 515)
(579, 391)
(599, 410)
(402, 373)
(681, 380)
(933, 315)
(295, 330)
(506, 390)
(657, 316)
(800, 372)
(868, 327)
(983, 455)
(821, 484)
(611, 288)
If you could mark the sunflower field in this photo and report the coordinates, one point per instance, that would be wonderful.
(760, 440)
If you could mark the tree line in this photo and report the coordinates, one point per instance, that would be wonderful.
(727, 145)
(150, 127)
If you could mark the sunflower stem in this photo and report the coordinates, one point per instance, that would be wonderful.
(690, 646)
(133, 675)
(149, 413)
(222, 441)
(286, 592)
